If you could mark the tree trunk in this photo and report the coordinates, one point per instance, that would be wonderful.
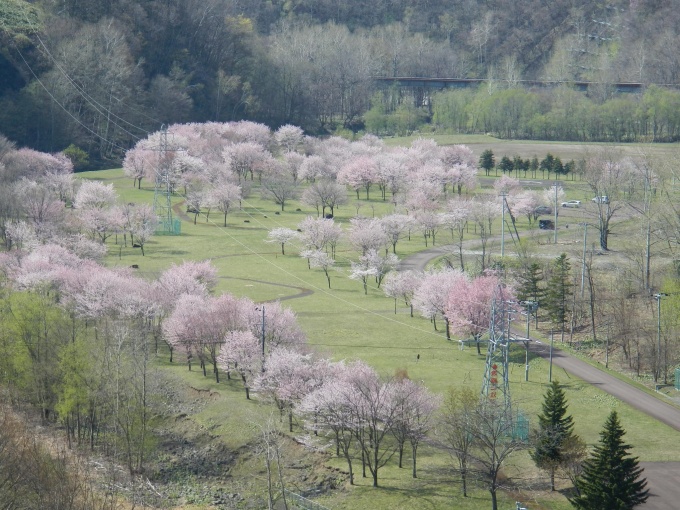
(413, 452)
(552, 479)
(494, 502)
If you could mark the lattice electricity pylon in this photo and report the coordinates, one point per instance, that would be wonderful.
(496, 384)
(162, 204)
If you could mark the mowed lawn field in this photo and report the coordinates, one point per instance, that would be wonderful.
(344, 323)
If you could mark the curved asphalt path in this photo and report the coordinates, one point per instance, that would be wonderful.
(662, 477)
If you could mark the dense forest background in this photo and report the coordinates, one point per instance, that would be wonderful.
(100, 75)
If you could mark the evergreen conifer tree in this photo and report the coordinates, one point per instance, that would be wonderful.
(559, 291)
(487, 160)
(555, 438)
(611, 477)
(529, 285)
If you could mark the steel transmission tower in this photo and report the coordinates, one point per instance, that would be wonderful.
(162, 205)
(496, 384)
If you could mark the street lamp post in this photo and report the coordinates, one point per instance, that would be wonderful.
(258, 309)
(530, 306)
(503, 195)
(657, 371)
(551, 356)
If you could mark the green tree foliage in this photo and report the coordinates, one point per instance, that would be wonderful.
(559, 291)
(529, 284)
(547, 165)
(78, 157)
(487, 161)
(554, 441)
(94, 380)
(611, 477)
(506, 165)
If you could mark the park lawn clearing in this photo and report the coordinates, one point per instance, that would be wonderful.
(344, 323)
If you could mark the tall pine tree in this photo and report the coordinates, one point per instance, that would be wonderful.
(555, 442)
(559, 291)
(611, 477)
(529, 286)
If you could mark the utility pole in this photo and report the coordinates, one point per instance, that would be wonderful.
(657, 372)
(262, 331)
(530, 306)
(551, 350)
(583, 262)
(503, 195)
(555, 235)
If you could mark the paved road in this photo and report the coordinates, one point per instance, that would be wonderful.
(662, 482)
(625, 392)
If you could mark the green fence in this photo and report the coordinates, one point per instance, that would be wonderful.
(677, 378)
(297, 501)
(520, 427)
(169, 228)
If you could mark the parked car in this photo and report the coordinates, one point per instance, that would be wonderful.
(546, 224)
(572, 203)
(543, 209)
(604, 199)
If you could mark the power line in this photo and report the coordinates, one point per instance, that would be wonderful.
(93, 102)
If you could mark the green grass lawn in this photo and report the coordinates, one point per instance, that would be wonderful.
(344, 323)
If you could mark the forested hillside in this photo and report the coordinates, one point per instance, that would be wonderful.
(101, 75)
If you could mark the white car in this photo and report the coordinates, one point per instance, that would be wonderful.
(604, 199)
(572, 203)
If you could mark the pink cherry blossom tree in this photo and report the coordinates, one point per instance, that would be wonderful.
(288, 377)
(358, 173)
(320, 234)
(246, 131)
(292, 162)
(21, 235)
(396, 227)
(281, 328)
(374, 407)
(415, 407)
(363, 272)
(325, 194)
(327, 412)
(367, 234)
(138, 163)
(468, 306)
(402, 285)
(429, 223)
(315, 167)
(455, 219)
(242, 158)
(431, 298)
(38, 203)
(279, 187)
(242, 352)
(483, 213)
(142, 225)
(33, 164)
(282, 235)
(507, 185)
(225, 196)
(382, 264)
(524, 203)
(95, 195)
(318, 259)
(289, 137)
